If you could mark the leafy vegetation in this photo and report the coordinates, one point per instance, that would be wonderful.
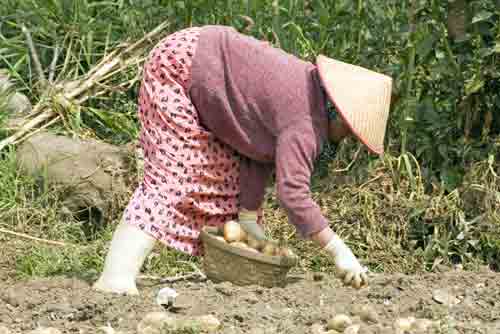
(434, 198)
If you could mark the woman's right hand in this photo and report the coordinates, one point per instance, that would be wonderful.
(248, 221)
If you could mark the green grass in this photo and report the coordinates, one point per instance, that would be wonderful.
(26, 206)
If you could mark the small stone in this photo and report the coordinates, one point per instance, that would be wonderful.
(353, 329)
(476, 323)
(19, 104)
(368, 314)
(402, 325)
(59, 307)
(153, 322)
(226, 288)
(10, 297)
(366, 330)
(107, 330)
(251, 299)
(494, 327)
(208, 323)
(442, 296)
(386, 330)
(166, 297)
(259, 290)
(4, 330)
(339, 322)
(422, 325)
(317, 329)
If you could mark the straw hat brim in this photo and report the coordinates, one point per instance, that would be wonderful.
(361, 97)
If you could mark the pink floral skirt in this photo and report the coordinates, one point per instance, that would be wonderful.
(190, 177)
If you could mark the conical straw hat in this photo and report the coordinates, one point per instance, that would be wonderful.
(362, 98)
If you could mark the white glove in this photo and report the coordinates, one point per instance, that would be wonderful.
(347, 265)
(248, 221)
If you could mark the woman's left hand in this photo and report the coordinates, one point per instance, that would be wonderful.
(347, 266)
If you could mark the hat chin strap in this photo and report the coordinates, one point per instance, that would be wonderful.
(127, 253)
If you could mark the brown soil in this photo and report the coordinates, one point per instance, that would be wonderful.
(72, 306)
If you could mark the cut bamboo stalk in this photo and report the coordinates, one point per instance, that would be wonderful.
(52, 69)
(111, 65)
(34, 53)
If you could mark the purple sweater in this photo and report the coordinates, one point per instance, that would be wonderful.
(268, 106)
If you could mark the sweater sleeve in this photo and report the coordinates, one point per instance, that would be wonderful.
(296, 151)
(254, 177)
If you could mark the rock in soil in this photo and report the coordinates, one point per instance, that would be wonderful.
(226, 288)
(368, 314)
(108, 330)
(317, 329)
(154, 323)
(403, 325)
(445, 297)
(353, 329)
(423, 325)
(339, 322)
(17, 103)
(12, 298)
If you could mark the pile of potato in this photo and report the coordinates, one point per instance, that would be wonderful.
(342, 323)
(233, 234)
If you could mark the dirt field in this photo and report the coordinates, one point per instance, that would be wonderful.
(70, 305)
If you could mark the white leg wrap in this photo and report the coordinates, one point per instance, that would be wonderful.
(125, 257)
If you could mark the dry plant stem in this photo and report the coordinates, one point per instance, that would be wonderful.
(26, 127)
(46, 125)
(370, 181)
(34, 53)
(163, 280)
(52, 69)
(26, 236)
(196, 274)
(111, 65)
(355, 157)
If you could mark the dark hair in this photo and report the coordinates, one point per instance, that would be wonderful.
(331, 111)
(330, 107)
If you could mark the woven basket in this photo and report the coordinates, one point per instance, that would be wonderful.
(223, 262)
